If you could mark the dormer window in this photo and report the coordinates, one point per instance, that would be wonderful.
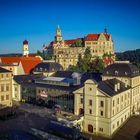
(107, 72)
(125, 73)
(116, 72)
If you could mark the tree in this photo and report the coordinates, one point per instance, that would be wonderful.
(97, 65)
(45, 56)
(83, 63)
(77, 43)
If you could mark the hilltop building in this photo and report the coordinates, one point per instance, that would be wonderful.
(66, 52)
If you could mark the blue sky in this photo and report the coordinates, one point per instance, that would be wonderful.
(36, 21)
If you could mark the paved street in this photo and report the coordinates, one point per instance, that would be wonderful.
(28, 117)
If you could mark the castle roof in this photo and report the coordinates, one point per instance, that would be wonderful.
(94, 37)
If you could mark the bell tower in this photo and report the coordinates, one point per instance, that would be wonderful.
(25, 48)
(58, 37)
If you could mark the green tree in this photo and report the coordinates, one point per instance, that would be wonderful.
(97, 65)
(77, 43)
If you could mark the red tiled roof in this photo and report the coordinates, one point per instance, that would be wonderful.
(108, 60)
(28, 63)
(72, 41)
(92, 37)
(10, 60)
(107, 36)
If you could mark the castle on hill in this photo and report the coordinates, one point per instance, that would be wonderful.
(66, 52)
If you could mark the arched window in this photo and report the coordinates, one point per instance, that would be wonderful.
(90, 128)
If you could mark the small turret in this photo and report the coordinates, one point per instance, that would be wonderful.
(58, 37)
(25, 48)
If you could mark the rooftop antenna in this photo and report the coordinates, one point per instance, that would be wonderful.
(105, 30)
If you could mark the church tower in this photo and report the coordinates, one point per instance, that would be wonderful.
(58, 37)
(25, 48)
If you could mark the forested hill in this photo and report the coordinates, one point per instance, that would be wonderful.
(133, 56)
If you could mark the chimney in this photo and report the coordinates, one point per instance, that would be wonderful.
(116, 87)
(125, 84)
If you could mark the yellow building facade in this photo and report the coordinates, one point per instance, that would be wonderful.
(5, 88)
(109, 103)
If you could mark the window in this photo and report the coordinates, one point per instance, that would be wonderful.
(2, 76)
(7, 87)
(113, 126)
(90, 111)
(7, 97)
(117, 123)
(122, 98)
(121, 120)
(2, 98)
(118, 100)
(7, 75)
(15, 88)
(90, 102)
(90, 89)
(113, 112)
(113, 103)
(81, 101)
(101, 129)
(90, 128)
(101, 113)
(102, 104)
(116, 72)
(2, 87)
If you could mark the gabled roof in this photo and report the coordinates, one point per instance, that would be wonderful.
(28, 63)
(94, 37)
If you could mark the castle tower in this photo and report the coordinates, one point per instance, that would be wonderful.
(58, 37)
(25, 48)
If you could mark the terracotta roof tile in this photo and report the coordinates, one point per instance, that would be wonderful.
(72, 41)
(92, 37)
(28, 63)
